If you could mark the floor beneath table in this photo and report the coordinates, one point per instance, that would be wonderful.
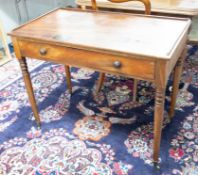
(94, 134)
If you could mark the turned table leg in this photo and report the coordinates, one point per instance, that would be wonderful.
(100, 82)
(28, 85)
(68, 78)
(176, 80)
(158, 120)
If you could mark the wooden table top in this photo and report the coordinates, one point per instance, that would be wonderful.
(117, 33)
(182, 7)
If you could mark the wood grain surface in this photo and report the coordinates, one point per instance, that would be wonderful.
(113, 32)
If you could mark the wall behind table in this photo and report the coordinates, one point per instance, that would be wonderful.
(8, 13)
(38, 7)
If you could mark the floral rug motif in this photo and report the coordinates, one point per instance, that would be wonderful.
(57, 152)
(92, 127)
(11, 71)
(91, 133)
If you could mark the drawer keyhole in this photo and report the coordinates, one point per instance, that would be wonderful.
(117, 64)
(43, 51)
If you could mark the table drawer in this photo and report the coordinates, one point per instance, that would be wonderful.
(139, 68)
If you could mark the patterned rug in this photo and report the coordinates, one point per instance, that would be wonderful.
(10, 72)
(96, 134)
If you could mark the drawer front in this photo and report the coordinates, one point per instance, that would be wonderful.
(139, 68)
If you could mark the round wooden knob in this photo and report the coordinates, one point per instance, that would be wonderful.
(43, 51)
(117, 64)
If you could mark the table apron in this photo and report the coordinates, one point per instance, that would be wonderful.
(142, 69)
